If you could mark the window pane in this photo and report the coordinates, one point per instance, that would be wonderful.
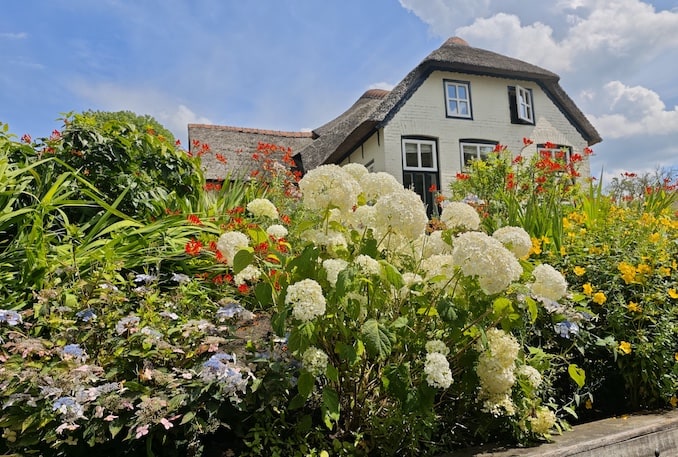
(462, 92)
(427, 155)
(463, 108)
(451, 91)
(453, 107)
(411, 160)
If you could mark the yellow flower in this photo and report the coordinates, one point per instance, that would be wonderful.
(563, 251)
(625, 347)
(634, 307)
(588, 288)
(676, 356)
(644, 269)
(536, 246)
(673, 293)
(599, 297)
(628, 272)
(588, 404)
(674, 401)
(664, 271)
(579, 271)
(655, 237)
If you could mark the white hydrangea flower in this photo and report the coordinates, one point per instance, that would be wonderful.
(460, 215)
(548, 283)
(248, 274)
(433, 244)
(362, 218)
(329, 239)
(376, 185)
(437, 370)
(333, 267)
(356, 170)
(367, 265)
(230, 243)
(439, 265)
(277, 231)
(516, 240)
(531, 374)
(262, 207)
(479, 255)
(411, 279)
(496, 371)
(306, 298)
(314, 361)
(401, 212)
(437, 346)
(542, 421)
(327, 186)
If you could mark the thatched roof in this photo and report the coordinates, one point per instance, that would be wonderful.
(235, 146)
(339, 137)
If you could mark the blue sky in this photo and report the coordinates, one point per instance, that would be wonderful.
(296, 64)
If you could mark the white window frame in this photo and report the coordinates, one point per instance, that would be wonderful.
(524, 104)
(457, 100)
(477, 146)
(419, 143)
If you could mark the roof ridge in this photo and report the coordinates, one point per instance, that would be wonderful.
(250, 130)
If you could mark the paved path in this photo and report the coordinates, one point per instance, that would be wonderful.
(638, 435)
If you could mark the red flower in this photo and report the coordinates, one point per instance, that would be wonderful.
(510, 181)
(499, 148)
(588, 151)
(243, 288)
(177, 143)
(462, 176)
(193, 219)
(527, 141)
(549, 145)
(220, 158)
(26, 138)
(518, 159)
(433, 189)
(193, 247)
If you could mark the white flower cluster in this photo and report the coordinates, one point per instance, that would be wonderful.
(333, 267)
(230, 243)
(516, 240)
(262, 207)
(376, 185)
(276, 231)
(548, 283)
(542, 421)
(401, 212)
(437, 370)
(437, 346)
(460, 215)
(221, 368)
(314, 361)
(306, 298)
(329, 186)
(433, 244)
(362, 218)
(439, 266)
(531, 375)
(329, 239)
(496, 371)
(479, 255)
(368, 266)
(248, 274)
(357, 170)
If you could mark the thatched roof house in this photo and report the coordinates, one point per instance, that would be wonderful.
(382, 127)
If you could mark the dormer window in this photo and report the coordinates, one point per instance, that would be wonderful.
(458, 99)
(521, 105)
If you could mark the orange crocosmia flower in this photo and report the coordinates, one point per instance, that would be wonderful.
(193, 247)
(625, 347)
(243, 288)
(673, 294)
(599, 297)
(579, 271)
(193, 219)
(588, 288)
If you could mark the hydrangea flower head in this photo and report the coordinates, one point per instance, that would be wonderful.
(460, 215)
(376, 185)
(306, 298)
(314, 361)
(516, 240)
(437, 370)
(329, 186)
(402, 213)
(230, 243)
(479, 255)
(548, 283)
(262, 207)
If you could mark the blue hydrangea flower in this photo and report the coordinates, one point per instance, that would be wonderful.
(230, 310)
(9, 316)
(86, 315)
(180, 278)
(566, 329)
(73, 351)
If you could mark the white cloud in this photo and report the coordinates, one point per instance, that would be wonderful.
(13, 36)
(170, 113)
(634, 111)
(381, 85)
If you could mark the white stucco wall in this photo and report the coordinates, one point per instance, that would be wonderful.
(424, 115)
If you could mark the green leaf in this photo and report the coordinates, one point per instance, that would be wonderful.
(301, 337)
(378, 339)
(263, 292)
(346, 352)
(257, 235)
(242, 259)
(330, 407)
(393, 276)
(332, 373)
(532, 309)
(305, 384)
(577, 374)
(115, 427)
(187, 418)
